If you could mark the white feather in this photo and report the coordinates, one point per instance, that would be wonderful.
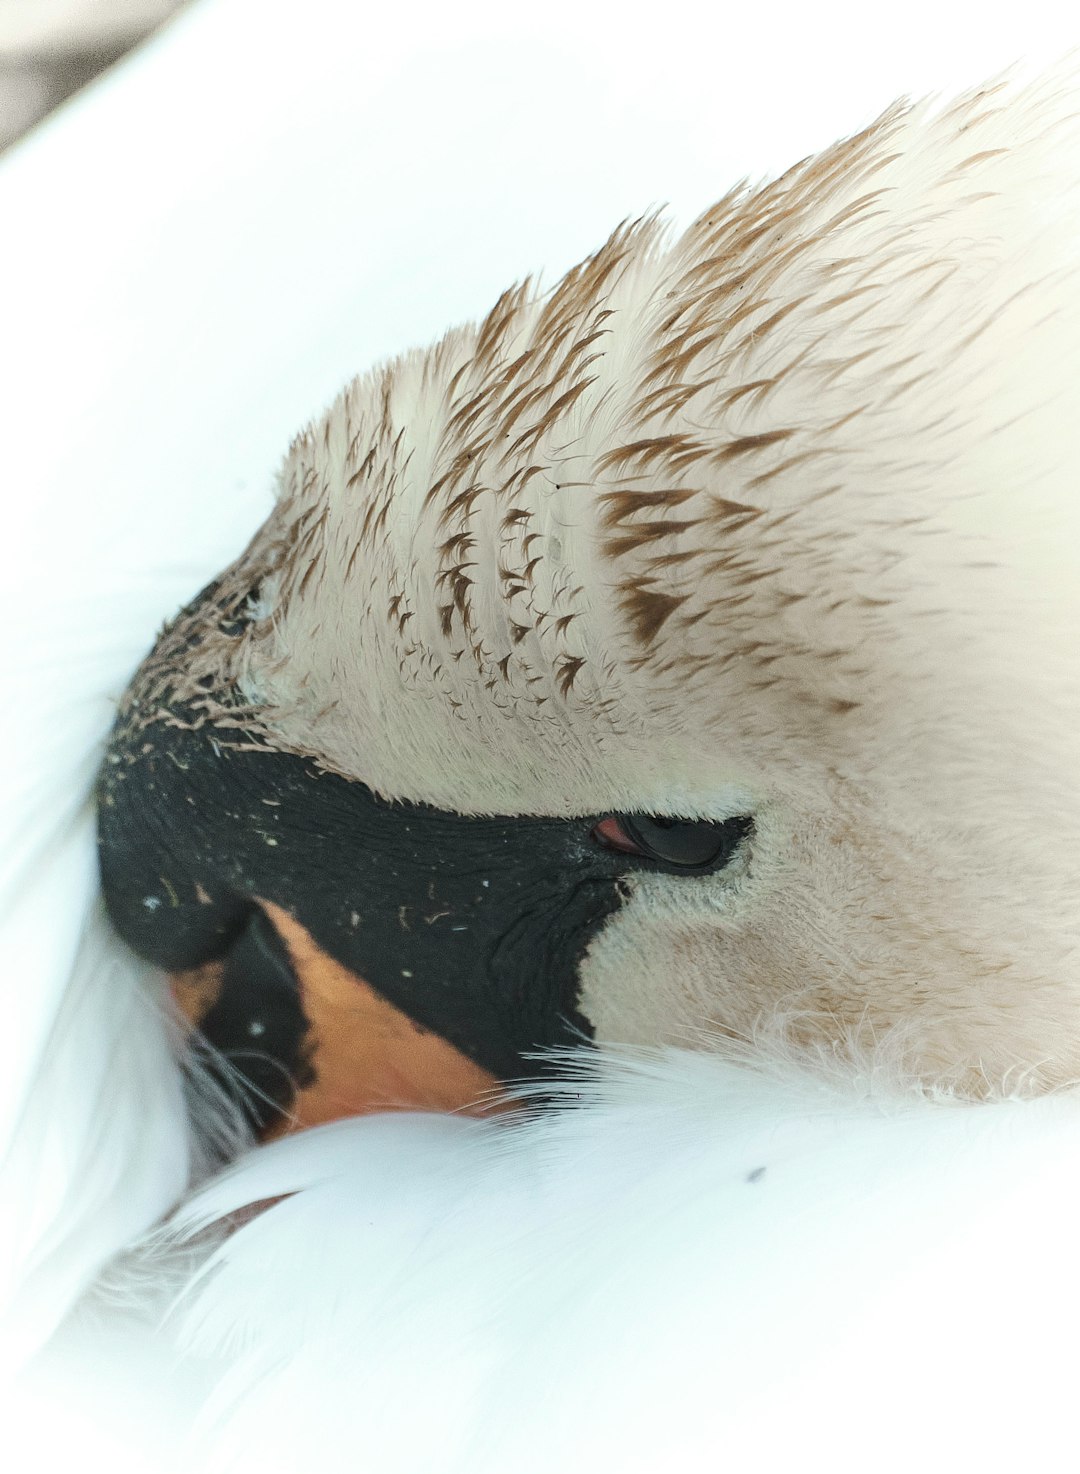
(692, 1262)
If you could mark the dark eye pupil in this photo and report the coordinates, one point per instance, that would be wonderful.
(690, 843)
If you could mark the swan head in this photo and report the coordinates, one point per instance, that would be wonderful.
(682, 654)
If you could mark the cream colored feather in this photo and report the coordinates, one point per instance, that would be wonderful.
(777, 518)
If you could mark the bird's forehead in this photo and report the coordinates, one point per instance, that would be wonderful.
(697, 502)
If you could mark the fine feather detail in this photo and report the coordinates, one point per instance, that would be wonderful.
(781, 544)
(702, 486)
(764, 521)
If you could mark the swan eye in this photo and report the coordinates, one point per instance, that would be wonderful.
(688, 844)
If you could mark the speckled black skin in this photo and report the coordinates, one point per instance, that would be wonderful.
(474, 927)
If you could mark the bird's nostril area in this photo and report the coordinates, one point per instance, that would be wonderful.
(248, 1007)
(301, 1039)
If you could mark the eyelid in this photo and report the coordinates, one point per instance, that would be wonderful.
(610, 833)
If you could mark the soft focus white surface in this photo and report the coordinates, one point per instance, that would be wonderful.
(709, 1267)
(194, 256)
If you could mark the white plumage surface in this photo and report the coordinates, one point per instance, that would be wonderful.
(706, 1264)
(617, 1286)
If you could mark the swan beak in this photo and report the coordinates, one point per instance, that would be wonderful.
(359, 1053)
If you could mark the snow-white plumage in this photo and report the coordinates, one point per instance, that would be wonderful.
(694, 1262)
